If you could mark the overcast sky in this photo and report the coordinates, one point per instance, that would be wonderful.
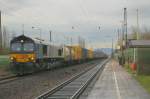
(84, 15)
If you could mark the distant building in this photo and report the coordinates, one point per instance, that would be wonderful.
(138, 52)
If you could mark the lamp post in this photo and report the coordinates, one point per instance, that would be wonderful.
(50, 33)
(37, 28)
(112, 54)
(99, 27)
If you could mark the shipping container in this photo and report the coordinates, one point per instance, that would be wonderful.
(90, 54)
(77, 53)
(84, 53)
(68, 53)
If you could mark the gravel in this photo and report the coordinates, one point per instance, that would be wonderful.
(31, 86)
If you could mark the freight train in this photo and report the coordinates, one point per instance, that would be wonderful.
(28, 55)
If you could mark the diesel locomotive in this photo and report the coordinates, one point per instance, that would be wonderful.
(28, 55)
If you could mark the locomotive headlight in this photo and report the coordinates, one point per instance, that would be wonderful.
(11, 58)
(32, 58)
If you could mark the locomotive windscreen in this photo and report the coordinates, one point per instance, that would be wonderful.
(27, 47)
(16, 47)
(22, 44)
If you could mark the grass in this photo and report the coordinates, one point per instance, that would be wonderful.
(4, 62)
(4, 51)
(144, 80)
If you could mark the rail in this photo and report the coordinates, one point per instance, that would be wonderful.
(72, 88)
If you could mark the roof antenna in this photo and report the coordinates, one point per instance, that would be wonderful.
(23, 29)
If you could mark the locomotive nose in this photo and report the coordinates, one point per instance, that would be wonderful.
(22, 58)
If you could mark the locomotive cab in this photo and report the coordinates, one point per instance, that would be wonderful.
(22, 50)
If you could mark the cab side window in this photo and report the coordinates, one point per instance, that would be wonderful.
(45, 50)
(60, 52)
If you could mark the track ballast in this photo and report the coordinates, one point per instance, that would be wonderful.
(73, 88)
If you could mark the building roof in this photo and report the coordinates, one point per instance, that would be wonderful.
(139, 43)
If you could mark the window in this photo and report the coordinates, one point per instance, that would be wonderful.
(59, 52)
(45, 50)
(28, 46)
(16, 47)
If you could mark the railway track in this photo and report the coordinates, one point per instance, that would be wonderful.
(8, 79)
(73, 88)
(13, 78)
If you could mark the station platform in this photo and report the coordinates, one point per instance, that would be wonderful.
(116, 83)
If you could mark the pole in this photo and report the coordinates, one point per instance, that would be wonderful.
(137, 24)
(40, 32)
(50, 33)
(125, 24)
(138, 37)
(122, 45)
(0, 31)
(112, 47)
(122, 25)
(40, 35)
(71, 41)
(23, 29)
(118, 35)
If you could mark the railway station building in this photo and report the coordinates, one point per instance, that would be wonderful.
(138, 53)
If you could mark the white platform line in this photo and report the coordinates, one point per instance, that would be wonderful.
(116, 85)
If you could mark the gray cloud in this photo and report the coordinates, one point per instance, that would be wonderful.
(85, 15)
(10, 6)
